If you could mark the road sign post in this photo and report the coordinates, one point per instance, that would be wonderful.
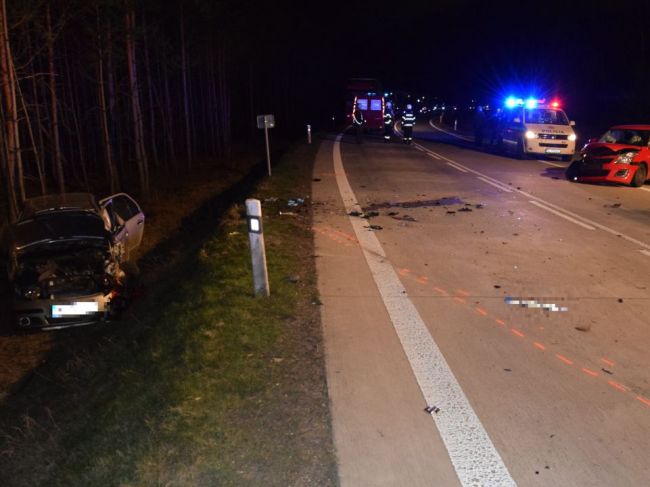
(258, 253)
(266, 122)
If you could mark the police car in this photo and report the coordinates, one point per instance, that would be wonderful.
(534, 127)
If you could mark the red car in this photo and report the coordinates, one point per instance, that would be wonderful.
(621, 155)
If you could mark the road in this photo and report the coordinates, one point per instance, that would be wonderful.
(493, 290)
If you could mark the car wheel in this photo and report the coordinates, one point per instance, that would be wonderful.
(640, 176)
(521, 154)
(573, 171)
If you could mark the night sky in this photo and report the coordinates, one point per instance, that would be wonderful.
(594, 55)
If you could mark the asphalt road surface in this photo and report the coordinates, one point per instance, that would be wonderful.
(511, 302)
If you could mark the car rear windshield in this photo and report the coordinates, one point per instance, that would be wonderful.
(546, 116)
(626, 136)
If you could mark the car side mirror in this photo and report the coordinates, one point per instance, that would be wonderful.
(517, 120)
(572, 123)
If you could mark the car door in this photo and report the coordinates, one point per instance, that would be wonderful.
(129, 216)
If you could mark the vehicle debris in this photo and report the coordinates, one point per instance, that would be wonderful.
(607, 371)
(405, 218)
(432, 409)
(295, 202)
(465, 208)
(532, 303)
(613, 205)
(374, 227)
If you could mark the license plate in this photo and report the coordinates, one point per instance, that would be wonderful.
(74, 309)
(552, 151)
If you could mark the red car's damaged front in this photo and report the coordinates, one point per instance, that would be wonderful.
(621, 156)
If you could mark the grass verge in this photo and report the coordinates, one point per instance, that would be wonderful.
(202, 384)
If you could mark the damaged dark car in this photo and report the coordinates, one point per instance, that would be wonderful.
(67, 256)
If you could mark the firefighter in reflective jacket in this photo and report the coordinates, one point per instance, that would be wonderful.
(358, 120)
(388, 122)
(408, 120)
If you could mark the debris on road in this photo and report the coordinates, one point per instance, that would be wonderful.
(508, 370)
(374, 227)
(613, 205)
(432, 409)
(295, 202)
(607, 371)
(583, 328)
(620, 300)
(316, 180)
(465, 208)
(451, 212)
(405, 218)
(370, 214)
(355, 213)
(532, 303)
(497, 286)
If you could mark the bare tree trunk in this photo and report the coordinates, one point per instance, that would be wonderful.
(103, 113)
(9, 109)
(186, 101)
(150, 99)
(169, 113)
(224, 94)
(38, 148)
(37, 156)
(140, 153)
(54, 108)
(74, 114)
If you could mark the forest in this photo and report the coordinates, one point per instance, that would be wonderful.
(100, 95)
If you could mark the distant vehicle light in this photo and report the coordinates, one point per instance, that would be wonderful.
(531, 135)
(572, 137)
(531, 103)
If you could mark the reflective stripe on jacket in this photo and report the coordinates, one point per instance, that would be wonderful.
(408, 119)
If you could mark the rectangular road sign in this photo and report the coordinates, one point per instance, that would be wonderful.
(265, 121)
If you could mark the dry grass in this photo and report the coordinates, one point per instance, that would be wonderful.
(203, 384)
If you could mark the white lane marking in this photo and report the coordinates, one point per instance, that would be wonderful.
(431, 154)
(645, 189)
(458, 136)
(551, 163)
(645, 252)
(458, 168)
(588, 221)
(471, 451)
(496, 185)
(561, 215)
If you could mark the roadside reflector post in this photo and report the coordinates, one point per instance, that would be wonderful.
(309, 134)
(258, 253)
(456, 124)
(266, 122)
(440, 121)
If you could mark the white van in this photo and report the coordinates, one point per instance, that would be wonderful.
(534, 128)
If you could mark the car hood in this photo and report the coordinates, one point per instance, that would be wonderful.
(58, 227)
(604, 149)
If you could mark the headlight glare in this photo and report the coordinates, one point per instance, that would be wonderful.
(625, 158)
(530, 135)
(572, 137)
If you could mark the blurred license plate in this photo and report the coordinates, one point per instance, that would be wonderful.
(552, 151)
(74, 309)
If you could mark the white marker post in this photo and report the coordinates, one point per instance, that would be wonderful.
(266, 122)
(309, 134)
(258, 254)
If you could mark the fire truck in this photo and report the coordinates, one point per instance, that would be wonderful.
(367, 95)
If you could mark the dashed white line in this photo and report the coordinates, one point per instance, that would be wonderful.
(551, 163)
(561, 215)
(431, 154)
(458, 168)
(645, 189)
(496, 185)
(645, 252)
(565, 213)
(472, 453)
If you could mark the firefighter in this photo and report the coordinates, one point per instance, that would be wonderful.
(408, 121)
(388, 122)
(358, 120)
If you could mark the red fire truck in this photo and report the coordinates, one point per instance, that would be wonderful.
(368, 95)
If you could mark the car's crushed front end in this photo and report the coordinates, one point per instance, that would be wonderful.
(65, 271)
(606, 163)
